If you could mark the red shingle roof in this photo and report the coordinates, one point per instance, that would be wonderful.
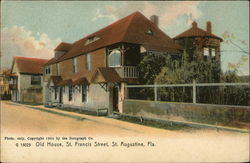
(30, 65)
(194, 31)
(63, 46)
(51, 61)
(55, 79)
(109, 75)
(131, 29)
(80, 81)
(65, 82)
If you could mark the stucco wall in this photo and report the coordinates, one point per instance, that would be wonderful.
(96, 98)
(24, 83)
(204, 113)
(33, 96)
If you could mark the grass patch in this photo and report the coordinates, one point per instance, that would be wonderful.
(31, 103)
(81, 111)
(156, 123)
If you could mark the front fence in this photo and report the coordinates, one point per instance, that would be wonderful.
(207, 93)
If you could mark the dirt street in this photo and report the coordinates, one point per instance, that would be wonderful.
(170, 146)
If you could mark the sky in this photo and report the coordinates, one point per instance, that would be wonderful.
(35, 28)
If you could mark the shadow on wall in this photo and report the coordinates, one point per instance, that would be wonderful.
(32, 95)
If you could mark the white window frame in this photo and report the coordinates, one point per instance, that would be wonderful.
(58, 68)
(213, 52)
(206, 51)
(88, 62)
(112, 52)
(47, 70)
(34, 79)
(75, 65)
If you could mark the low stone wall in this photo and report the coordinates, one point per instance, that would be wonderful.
(202, 113)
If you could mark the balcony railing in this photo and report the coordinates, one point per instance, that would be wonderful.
(127, 71)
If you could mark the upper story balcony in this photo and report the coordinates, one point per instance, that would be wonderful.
(127, 71)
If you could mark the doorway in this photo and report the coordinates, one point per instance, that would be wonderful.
(115, 99)
(60, 95)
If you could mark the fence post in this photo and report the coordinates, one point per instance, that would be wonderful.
(155, 92)
(194, 92)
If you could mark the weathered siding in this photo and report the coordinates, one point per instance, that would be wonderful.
(33, 96)
(25, 93)
(53, 69)
(98, 59)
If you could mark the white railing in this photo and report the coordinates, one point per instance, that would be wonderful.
(127, 71)
(193, 85)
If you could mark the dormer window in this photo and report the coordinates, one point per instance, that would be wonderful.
(149, 32)
(91, 39)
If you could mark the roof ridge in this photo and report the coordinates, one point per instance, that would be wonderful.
(191, 29)
(29, 58)
(110, 25)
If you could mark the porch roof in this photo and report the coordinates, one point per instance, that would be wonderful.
(81, 80)
(105, 75)
(65, 82)
(55, 79)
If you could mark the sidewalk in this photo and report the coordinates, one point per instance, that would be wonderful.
(110, 121)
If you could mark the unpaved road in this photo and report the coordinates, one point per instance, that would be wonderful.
(170, 146)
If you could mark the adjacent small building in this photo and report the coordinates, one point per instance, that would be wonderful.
(26, 80)
(5, 93)
(202, 45)
(91, 73)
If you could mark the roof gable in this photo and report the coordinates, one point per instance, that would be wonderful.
(63, 46)
(54, 80)
(105, 75)
(28, 65)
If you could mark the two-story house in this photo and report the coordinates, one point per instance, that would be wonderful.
(202, 45)
(4, 84)
(26, 79)
(91, 73)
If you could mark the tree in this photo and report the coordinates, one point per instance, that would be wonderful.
(151, 65)
(241, 47)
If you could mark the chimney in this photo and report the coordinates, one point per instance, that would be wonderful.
(209, 27)
(155, 19)
(194, 24)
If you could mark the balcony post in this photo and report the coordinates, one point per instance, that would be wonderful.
(122, 55)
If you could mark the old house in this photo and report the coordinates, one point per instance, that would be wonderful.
(26, 79)
(202, 45)
(91, 73)
(4, 84)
